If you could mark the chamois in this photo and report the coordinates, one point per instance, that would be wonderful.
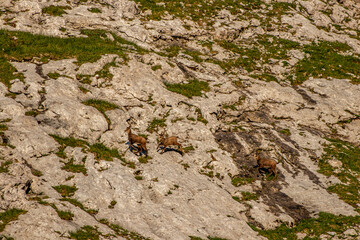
(133, 138)
(168, 142)
(266, 163)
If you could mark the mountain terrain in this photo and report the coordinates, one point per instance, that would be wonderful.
(228, 78)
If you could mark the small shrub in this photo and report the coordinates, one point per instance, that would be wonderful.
(247, 196)
(285, 132)
(156, 67)
(238, 181)
(54, 75)
(66, 215)
(4, 167)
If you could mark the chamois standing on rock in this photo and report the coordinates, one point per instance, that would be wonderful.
(266, 163)
(133, 138)
(168, 142)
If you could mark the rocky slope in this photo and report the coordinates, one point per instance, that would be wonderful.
(227, 77)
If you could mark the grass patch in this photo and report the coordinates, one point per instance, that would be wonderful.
(325, 61)
(155, 124)
(32, 113)
(86, 233)
(238, 181)
(78, 204)
(4, 167)
(122, 232)
(55, 10)
(75, 168)
(8, 216)
(156, 67)
(65, 190)
(188, 149)
(112, 204)
(193, 88)
(200, 117)
(100, 151)
(247, 196)
(313, 227)
(66, 215)
(24, 46)
(285, 132)
(7, 71)
(54, 75)
(144, 159)
(102, 106)
(94, 10)
(349, 155)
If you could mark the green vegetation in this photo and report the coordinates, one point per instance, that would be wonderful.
(112, 204)
(102, 106)
(84, 90)
(188, 149)
(86, 233)
(238, 181)
(105, 71)
(285, 131)
(55, 10)
(155, 124)
(122, 232)
(193, 88)
(349, 155)
(3, 127)
(209, 238)
(313, 227)
(20, 46)
(201, 11)
(156, 67)
(8, 216)
(100, 150)
(94, 10)
(65, 190)
(265, 77)
(200, 117)
(247, 196)
(78, 204)
(32, 113)
(54, 75)
(7, 71)
(325, 61)
(144, 159)
(75, 168)
(4, 167)
(66, 215)
(138, 177)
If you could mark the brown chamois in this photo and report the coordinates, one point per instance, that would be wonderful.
(168, 142)
(133, 138)
(266, 163)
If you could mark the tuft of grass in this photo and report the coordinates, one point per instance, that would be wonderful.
(247, 196)
(200, 117)
(144, 159)
(3, 127)
(54, 75)
(122, 232)
(285, 131)
(103, 152)
(78, 204)
(102, 106)
(193, 88)
(84, 90)
(8, 216)
(138, 177)
(4, 167)
(238, 181)
(265, 77)
(94, 10)
(112, 204)
(32, 113)
(55, 10)
(66, 215)
(86, 233)
(155, 124)
(188, 149)
(65, 190)
(313, 227)
(75, 168)
(156, 67)
(7, 71)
